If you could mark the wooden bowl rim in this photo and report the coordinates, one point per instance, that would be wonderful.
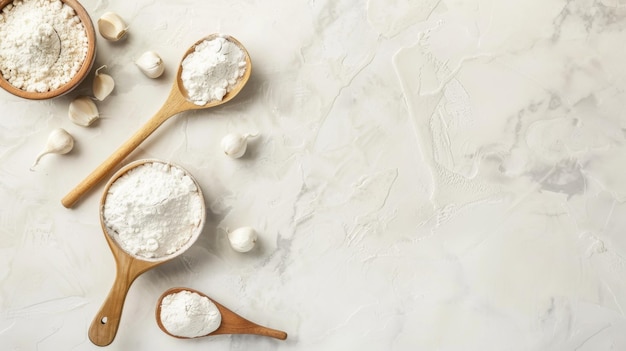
(82, 73)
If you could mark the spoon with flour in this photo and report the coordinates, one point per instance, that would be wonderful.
(150, 212)
(186, 313)
(213, 71)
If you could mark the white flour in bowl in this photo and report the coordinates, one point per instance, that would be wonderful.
(189, 314)
(153, 210)
(212, 70)
(43, 44)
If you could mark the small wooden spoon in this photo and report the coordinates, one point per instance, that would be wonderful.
(128, 267)
(232, 323)
(176, 102)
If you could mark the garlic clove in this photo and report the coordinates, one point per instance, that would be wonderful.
(242, 239)
(151, 64)
(59, 142)
(83, 111)
(235, 145)
(103, 85)
(111, 26)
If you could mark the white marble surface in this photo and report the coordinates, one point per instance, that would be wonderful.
(430, 175)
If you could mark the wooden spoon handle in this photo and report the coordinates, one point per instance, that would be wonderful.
(174, 104)
(250, 328)
(104, 326)
(233, 323)
(264, 331)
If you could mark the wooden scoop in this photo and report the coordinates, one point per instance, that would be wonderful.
(104, 326)
(232, 323)
(176, 102)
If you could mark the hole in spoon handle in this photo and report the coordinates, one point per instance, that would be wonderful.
(104, 328)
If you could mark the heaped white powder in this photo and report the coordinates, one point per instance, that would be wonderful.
(189, 314)
(43, 44)
(212, 70)
(153, 210)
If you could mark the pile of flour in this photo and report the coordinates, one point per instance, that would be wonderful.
(153, 210)
(212, 70)
(43, 44)
(189, 314)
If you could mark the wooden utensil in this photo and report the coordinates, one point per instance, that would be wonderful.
(128, 267)
(232, 323)
(176, 102)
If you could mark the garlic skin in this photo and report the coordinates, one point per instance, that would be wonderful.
(151, 64)
(242, 239)
(83, 111)
(235, 145)
(111, 26)
(59, 142)
(103, 85)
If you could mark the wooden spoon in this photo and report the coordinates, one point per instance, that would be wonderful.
(128, 267)
(176, 102)
(232, 323)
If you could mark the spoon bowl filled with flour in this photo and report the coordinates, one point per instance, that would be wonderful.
(151, 212)
(47, 47)
(213, 70)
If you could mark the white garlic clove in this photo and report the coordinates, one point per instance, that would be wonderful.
(59, 142)
(235, 145)
(242, 239)
(103, 85)
(151, 64)
(83, 111)
(111, 26)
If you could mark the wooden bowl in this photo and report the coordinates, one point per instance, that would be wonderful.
(82, 72)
